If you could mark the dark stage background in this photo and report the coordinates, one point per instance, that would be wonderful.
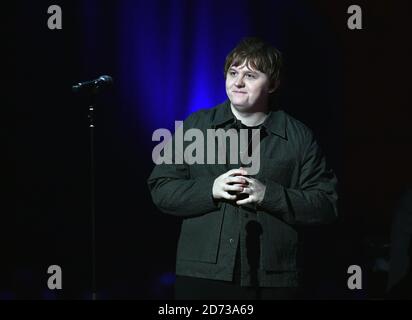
(351, 87)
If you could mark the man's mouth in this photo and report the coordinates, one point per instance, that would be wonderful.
(239, 92)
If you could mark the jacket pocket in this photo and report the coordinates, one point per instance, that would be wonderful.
(199, 238)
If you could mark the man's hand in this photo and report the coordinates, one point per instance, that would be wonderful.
(234, 184)
(255, 189)
(231, 181)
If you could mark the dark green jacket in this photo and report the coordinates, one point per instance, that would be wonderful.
(300, 190)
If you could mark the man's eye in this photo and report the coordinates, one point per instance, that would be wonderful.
(251, 76)
(232, 73)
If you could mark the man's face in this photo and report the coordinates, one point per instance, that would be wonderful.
(247, 89)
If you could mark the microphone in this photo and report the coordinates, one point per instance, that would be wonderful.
(94, 85)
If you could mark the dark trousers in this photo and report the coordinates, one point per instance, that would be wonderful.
(189, 288)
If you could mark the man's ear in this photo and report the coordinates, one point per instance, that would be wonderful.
(273, 87)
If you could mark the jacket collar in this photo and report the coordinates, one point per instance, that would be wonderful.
(275, 122)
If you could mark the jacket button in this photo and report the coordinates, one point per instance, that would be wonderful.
(231, 240)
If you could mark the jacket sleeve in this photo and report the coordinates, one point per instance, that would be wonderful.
(175, 192)
(314, 201)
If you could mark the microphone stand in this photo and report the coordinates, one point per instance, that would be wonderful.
(91, 89)
(92, 197)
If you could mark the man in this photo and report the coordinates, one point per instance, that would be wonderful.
(239, 237)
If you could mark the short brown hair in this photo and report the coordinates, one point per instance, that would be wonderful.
(257, 54)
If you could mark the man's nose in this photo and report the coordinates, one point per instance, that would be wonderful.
(239, 81)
